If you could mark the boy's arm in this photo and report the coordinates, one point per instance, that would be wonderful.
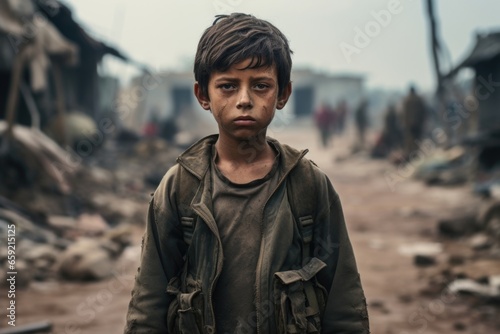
(161, 260)
(345, 310)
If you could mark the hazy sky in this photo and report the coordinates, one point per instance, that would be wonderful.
(164, 34)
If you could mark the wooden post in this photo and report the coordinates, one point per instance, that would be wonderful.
(15, 81)
(61, 123)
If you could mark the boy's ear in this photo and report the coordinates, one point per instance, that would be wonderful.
(283, 98)
(202, 98)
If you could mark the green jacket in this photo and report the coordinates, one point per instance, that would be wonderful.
(182, 256)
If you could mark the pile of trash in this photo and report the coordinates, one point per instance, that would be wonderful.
(463, 264)
(74, 217)
(474, 266)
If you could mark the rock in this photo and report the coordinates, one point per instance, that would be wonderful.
(490, 290)
(84, 225)
(489, 219)
(480, 242)
(25, 229)
(116, 209)
(101, 176)
(376, 303)
(493, 229)
(91, 224)
(61, 223)
(42, 259)
(488, 211)
(459, 226)
(86, 260)
(424, 260)
(41, 251)
(422, 248)
(94, 259)
(78, 126)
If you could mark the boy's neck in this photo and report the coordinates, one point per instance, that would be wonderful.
(243, 161)
(244, 152)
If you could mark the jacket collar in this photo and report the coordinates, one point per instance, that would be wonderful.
(196, 159)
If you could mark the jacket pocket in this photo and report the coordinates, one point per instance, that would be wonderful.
(184, 312)
(300, 299)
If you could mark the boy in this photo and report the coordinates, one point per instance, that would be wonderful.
(244, 235)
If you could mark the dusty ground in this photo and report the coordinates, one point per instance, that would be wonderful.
(380, 221)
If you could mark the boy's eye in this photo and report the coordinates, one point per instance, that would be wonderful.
(261, 86)
(227, 86)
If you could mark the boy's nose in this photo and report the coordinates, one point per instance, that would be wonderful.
(244, 100)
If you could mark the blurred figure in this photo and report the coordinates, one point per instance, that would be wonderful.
(361, 121)
(391, 137)
(414, 116)
(341, 113)
(324, 117)
(151, 128)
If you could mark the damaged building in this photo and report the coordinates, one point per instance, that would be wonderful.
(49, 65)
(483, 108)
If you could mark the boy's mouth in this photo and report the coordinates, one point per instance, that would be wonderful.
(244, 120)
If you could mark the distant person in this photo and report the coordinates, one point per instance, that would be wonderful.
(244, 234)
(325, 119)
(393, 133)
(151, 128)
(361, 121)
(341, 112)
(391, 137)
(414, 117)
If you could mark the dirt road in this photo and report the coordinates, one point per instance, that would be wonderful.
(380, 220)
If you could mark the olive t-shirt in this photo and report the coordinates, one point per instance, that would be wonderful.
(238, 212)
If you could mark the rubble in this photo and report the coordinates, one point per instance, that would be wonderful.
(82, 234)
(472, 248)
(424, 260)
(480, 241)
(424, 249)
(93, 259)
(489, 289)
(458, 226)
(445, 167)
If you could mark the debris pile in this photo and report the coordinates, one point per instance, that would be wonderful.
(465, 263)
(74, 220)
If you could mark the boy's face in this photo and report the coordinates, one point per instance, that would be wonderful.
(243, 102)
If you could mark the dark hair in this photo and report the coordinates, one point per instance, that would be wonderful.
(236, 37)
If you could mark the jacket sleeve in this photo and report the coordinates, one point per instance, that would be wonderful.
(346, 310)
(161, 260)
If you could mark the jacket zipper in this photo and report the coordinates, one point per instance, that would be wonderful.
(218, 259)
(259, 262)
(213, 227)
